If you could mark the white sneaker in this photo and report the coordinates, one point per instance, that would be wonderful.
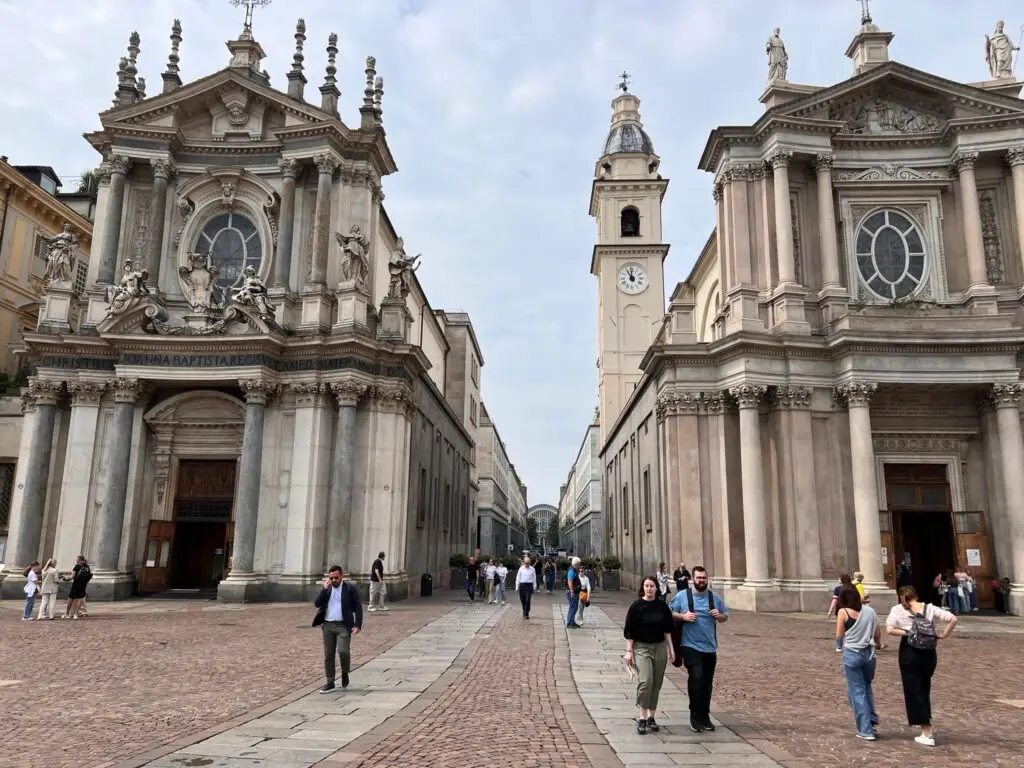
(866, 736)
(372, 610)
(385, 609)
(926, 741)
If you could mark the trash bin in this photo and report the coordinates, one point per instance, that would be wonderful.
(426, 585)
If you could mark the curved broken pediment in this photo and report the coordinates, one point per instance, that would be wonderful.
(200, 407)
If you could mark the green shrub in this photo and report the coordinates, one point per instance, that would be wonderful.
(458, 560)
(589, 562)
(510, 561)
(611, 563)
(562, 564)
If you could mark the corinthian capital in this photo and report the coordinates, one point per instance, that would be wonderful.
(128, 390)
(395, 398)
(1006, 395)
(307, 393)
(290, 167)
(44, 391)
(780, 158)
(325, 163)
(856, 394)
(87, 392)
(120, 164)
(257, 390)
(963, 161)
(823, 162)
(792, 398)
(348, 392)
(1015, 156)
(163, 167)
(748, 395)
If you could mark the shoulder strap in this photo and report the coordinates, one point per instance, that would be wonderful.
(689, 599)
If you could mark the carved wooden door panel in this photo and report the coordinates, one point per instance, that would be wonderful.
(972, 551)
(156, 567)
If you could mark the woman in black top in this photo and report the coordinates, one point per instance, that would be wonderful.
(648, 633)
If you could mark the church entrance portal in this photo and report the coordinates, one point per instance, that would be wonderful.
(193, 551)
(920, 521)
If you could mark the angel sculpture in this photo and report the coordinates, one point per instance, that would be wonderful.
(401, 267)
(253, 294)
(60, 256)
(355, 246)
(129, 291)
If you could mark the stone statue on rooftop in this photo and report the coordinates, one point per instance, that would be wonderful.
(60, 256)
(778, 59)
(400, 268)
(354, 246)
(999, 53)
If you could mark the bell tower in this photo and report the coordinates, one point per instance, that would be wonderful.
(629, 255)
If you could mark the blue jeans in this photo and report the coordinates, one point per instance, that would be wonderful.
(859, 669)
(29, 602)
(954, 601)
(574, 604)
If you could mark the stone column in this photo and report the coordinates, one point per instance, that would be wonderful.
(755, 524)
(325, 166)
(684, 535)
(78, 465)
(110, 515)
(26, 529)
(1006, 399)
(162, 172)
(865, 490)
(290, 169)
(783, 217)
(963, 166)
(339, 513)
(118, 167)
(1015, 157)
(827, 223)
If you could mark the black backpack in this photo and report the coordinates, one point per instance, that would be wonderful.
(922, 633)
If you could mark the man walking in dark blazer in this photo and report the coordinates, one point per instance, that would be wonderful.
(340, 615)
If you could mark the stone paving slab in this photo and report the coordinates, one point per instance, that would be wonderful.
(609, 696)
(314, 727)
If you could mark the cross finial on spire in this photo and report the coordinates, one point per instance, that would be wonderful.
(865, 11)
(624, 80)
(250, 5)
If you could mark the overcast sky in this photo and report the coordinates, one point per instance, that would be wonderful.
(495, 111)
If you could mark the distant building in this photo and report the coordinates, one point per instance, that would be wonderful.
(501, 505)
(580, 500)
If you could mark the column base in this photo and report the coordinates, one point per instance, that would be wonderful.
(762, 596)
(243, 588)
(787, 310)
(293, 588)
(315, 313)
(982, 300)
(110, 585)
(1017, 599)
(744, 310)
(808, 591)
(13, 585)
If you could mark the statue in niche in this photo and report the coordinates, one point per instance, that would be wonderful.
(253, 294)
(778, 59)
(355, 247)
(200, 278)
(400, 268)
(129, 291)
(999, 53)
(60, 256)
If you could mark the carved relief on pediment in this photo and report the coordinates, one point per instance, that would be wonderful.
(889, 172)
(885, 116)
(236, 114)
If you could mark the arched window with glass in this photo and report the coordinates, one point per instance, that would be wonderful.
(232, 243)
(891, 255)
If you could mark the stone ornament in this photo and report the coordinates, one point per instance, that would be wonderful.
(87, 392)
(120, 164)
(162, 168)
(715, 403)
(792, 398)
(201, 290)
(355, 246)
(325, 163)
(916, 444)
(289, 168)
(890, 172)
(307, 393)
(1006, 395)
(823, 162)
(884, 116)
(44, 391)
(60, 255)
(400, 268)
(778, 59)
(857, 394)
(748, 395)
(130, 291)
(394, 398)
(186, 207)
(1015, 156)
(990, 237)
(678, 404)
(253, 295)
(780, 159)
(257, 391)
(999, 53)
(128, 390)
(347, 393)
(963, 161)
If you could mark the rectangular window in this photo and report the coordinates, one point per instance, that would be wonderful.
(447, 504)
(39, 251)
(611, 516)
(435, 511)
(6, 491)
(81, 275)
(625, 508)
(472, 410)
(647, 498)
(421, 512)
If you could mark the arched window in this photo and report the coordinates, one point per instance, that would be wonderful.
(630, 222)
(890, 255)
(232, 243)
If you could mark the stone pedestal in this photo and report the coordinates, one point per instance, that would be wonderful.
(110, 585)
(744, 313)
(55, 313)
(242, 588)
(834, 303)
(95, 310)
(317, 306)
(353, 304)
(788, 315)
(982, 299)
(395, 320)
(199, 320)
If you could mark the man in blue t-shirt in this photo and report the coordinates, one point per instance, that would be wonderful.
(703, 611)
(572, 593)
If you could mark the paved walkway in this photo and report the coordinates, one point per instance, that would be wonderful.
(609, 695)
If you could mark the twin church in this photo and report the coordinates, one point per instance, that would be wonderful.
(252, 385)
(836, 385)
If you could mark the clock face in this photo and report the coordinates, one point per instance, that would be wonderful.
(632, 279)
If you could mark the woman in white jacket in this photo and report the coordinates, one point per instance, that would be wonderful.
(526, 583)
(48, 590)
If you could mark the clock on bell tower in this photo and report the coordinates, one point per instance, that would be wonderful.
(629, 255)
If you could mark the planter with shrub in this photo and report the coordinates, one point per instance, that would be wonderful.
(458, 563)
(610, 576)
(512, 563)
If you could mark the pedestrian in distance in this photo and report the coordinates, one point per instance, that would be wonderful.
(49, 584)
(340, 615)
(682, 578)
(857, 627)
(31, 588)
(914, 623)
(500, 574)
(664, 582)
(702, 611)
(80, 578)
(584, 597)
(472, 571)
(378, 589)
(489, 572)
(573, 587)
(648, 633)
(526, 583)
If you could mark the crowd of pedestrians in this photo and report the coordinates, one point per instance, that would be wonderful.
(44, 583)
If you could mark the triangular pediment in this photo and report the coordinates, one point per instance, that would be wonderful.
(225, 106)
(895, 99)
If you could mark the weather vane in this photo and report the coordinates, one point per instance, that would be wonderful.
(250, 5)
(865, 11)
(624, 81)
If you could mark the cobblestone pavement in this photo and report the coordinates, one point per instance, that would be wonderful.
(781, 676)
(139, 675)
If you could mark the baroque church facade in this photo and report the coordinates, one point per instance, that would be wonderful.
(836, 385)
(252, 386)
